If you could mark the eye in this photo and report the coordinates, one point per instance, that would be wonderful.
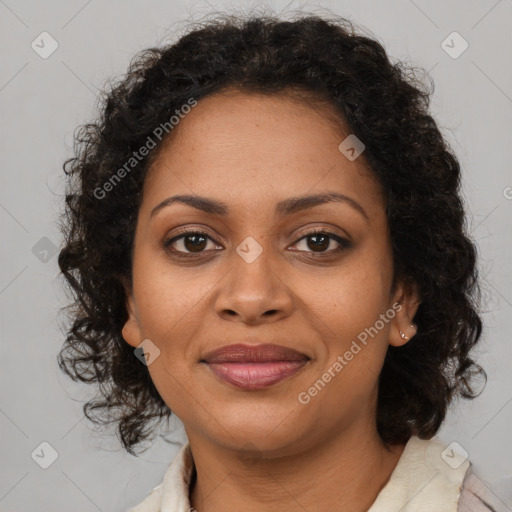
(319, 241)
(188, 242)
(191, 242)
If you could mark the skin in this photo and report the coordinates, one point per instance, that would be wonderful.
(264, 449)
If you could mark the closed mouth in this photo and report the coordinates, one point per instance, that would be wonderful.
(255, 367)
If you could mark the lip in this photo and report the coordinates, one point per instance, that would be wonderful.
(254, 366)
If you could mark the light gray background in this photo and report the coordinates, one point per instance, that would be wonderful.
(43, 100)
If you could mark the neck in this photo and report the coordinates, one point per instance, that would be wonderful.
(345, 472)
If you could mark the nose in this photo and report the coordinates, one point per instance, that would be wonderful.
(253, 292)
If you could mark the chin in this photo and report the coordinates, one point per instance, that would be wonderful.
(262, 430)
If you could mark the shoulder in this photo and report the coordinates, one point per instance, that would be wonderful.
(432, 476)
(172, 493)
(474, 495)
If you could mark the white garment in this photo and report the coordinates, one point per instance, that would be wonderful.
(427, 478)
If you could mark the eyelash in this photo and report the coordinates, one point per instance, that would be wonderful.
(343, 243)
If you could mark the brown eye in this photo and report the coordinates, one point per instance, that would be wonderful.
(319, 242)
(188, 242)
(194, 243)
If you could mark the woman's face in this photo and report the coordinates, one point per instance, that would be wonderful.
(255, 276)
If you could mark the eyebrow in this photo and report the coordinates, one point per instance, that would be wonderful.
(283, 208)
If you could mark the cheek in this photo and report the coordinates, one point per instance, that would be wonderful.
(350, 300)
(167, 303)
(167, 297)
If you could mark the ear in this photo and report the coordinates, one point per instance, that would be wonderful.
(405, 302)
(131, 330)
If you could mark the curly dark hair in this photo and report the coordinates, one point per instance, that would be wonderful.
(384, 104)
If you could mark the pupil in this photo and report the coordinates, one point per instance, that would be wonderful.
(196, 245)
(324, 238)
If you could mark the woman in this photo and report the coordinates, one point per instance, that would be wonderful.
(265, 236)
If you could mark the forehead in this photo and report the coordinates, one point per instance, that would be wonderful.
(249, 148)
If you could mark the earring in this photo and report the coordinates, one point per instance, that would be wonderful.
(404, 337)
